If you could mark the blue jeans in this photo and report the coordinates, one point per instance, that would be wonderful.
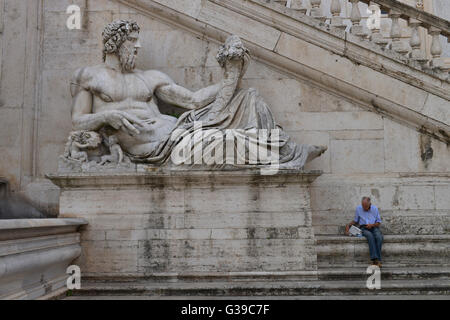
(375, 239)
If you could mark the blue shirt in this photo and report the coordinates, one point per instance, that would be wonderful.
(367, 217)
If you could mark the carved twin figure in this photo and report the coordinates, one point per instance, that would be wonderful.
(79, 142)
(116, 117)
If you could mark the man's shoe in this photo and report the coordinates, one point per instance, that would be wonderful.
(376, 262)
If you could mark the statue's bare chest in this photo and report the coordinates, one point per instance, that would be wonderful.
(121, 87)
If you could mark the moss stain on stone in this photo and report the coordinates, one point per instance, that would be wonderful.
(426, 151)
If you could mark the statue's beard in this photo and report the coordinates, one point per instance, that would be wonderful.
(127, 58)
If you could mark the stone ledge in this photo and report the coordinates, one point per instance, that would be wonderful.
(387, 273)
(387, 238)
(21, 224)
(155, 175)
(26, 228)
(34, 255)
(209, 276)
(274, 288)
(351, 273)
(20, 246)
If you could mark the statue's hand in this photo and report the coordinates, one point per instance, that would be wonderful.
(121, 120)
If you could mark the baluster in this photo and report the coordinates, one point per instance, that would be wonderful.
(446, 66)
(355, 18)
(419, 5)
(282, 2)
(397, 45)
(376, 35)
(415, 42)
(316, 10)
(336, 19)
(436, 48)
(298, 6)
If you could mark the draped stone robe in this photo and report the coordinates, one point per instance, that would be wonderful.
(247, 118)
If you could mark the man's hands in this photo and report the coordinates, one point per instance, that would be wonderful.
(347, 228)
(121, 120)
(369, 226)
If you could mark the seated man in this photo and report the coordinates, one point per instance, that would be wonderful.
(368, 217)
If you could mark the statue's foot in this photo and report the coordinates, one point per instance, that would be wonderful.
(322, 149)
(316, 151)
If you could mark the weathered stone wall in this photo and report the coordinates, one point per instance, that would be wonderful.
(363, 146)
(15, 107)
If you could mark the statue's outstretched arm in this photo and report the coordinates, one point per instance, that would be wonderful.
(182, 97)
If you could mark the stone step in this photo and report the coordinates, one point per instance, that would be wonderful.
(387, 273)
(275, 288)
(323, 297)
(398, 251)
(350, 273)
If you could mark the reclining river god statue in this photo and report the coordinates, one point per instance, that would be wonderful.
(223, 126)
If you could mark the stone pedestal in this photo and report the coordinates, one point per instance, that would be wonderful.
(193, 224)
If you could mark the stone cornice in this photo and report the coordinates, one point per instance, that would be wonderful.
(183, 177)
(308, 30)
(26, 228)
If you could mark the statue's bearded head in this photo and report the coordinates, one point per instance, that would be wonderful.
(121, 37)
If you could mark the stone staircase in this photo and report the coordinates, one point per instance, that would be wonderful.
(324, 288)
(399, 251)
(414, 266)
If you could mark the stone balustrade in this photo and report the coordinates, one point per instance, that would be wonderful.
(405, 23)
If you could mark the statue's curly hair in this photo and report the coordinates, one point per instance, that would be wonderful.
(115, 34)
